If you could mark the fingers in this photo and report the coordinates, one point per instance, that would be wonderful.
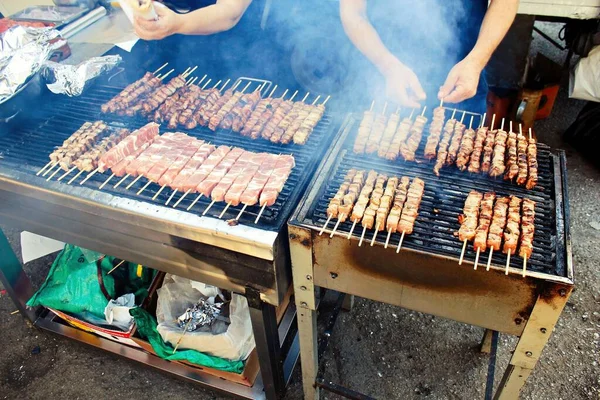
(448, 86)
(399, 93)
(417, 89)
(460, 93)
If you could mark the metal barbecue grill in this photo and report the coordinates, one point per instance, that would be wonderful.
(425, 275)
(251, 259)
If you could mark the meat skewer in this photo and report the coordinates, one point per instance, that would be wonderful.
(512, 165)
(410, 211)
(226, 180)
(435, 133)
(384, 206)
(364, 130)
(336, 201)
(494, 240)
(409, 148)
(527, 231)
(459, 130)
(368, 219)
(466, 147)
(469, 220)
(488, 148)
(251, 193)
(475, 161)
(276, 182)
(284, 108)
(498, 167)
(233, 195)
(309, 124)
(442, 153)
(521, 157)
(212, 97)
(183, 181)
(220, 101)
(388, 133)
(399, 138)
(217, 119)
(394, 216)
(350, 198)
(284, 124)
(511, 232)
(258, 112)
(485, 219)
(532, 162)
(379, 125)
(363, 200)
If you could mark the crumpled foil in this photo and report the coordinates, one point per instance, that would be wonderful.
(71, 79)
(202, 314)
(23, 51)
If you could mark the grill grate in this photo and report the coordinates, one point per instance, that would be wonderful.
(443, 201)
(26, 149)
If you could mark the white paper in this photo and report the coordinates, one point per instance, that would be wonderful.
(585, 81)
(35, 246)
(128, 45)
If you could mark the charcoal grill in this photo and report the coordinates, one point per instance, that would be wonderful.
(425, 275)
(252, 259)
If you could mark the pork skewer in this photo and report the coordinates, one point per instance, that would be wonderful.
(274, 186)
(309, 124)
(475, 161)
(442, 153)
(435, 133)
(284, 124)
(498, 166)
(459, 130)
(364, 130)
(522, 157)
(336, 201)
(512, 165)
(284, 108)
(368, 219)
(466, 147)
(488, 148)
(485, 219)
(527, 231)
(410, 211)
(350, 198)
(469, 220)
(494, 240)
(257, 113)
(409, 148)
(394, 216)
(532, 163)
(385, 206)
(388, 134)
(217, 119)
(511, 232)
(377, 132)
(266, 115)
(399, 138)
(363, 199)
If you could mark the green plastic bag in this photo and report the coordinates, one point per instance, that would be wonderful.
(146, 327)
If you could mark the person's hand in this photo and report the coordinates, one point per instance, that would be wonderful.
(403, 85)
(462, 81)
(166, 25)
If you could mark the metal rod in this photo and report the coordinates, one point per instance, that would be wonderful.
(170, 197)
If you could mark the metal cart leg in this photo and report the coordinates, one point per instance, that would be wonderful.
(266, 336)
(486, 342)
(539, 327)
(15, 280)
(348, 302)
(306, 304)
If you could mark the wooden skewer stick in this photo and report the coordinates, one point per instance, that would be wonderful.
(224, 210)
(186, 71)
(284, 93)
(489, 263)
(387, 240)
(186, 74)
(115, 267)
(106, 181)
(453, 114)
(144, 188)
(411, 113)
(241, 212)
(167, 74)
(181, 198)
(352, 229)
(206, 84)
(530, 136)
(170, 197)
(362, 236)
(246, 87)
(462, 253)
(66, 173)
(423, 113)
(384, 107)
(294, 95)
(463, 117)
(158, 76)
(182, 335)
(400, 242)
(44, 167)
(89, 176)
(483, 120)
(134, 181)
(272, 91)
(326, 100)
(208, 207)
(159, 191)
(121, 181)
(201, 80)
(75, 177)
(507, 263)
(260, 214)
(524, 267)
(189, 82)
(225, 84)
(54, 173)
(502, 125)
(493, 120)
(336, 225)
(217, 84)
(471, 122)
(372, 105)
(194, 202)
(477, 258)
(161, 67)
(305, 97)
(510, 126)
(441, 102)
(374, 237)
(317, 99)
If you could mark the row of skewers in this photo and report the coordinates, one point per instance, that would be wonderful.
(174, 160)
(181, 103)
(497, 223)
(378, 202)
(483, 150)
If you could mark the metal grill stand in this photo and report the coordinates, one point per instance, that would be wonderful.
(423, 281)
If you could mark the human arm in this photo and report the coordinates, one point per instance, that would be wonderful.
(462, 81)
(402, 83)
(219, 17)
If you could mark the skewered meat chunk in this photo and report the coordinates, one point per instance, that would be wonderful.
(466, 149)
(532, 164)
(388, 135)
(242, 113)
(173, 170)
(488, 151)
(475, 161)
(77, 144)
(219, 171)
(511, 232)
(208, 112)
(285, 107)
(386, 203)
(364, 130)
(205, 168)
(409, 148)
(368, 219)
(119, 168)
(114, 104)
(470, 217)
(256, 115)
(444, 144)
(459, 130)
(410, 211)
(399, 199)
(241, 182)
(308, 125)
(220, 190)
(522, 159)
(89, 160)
(485, 219)
(336, 201)
(376, 134)
(498, 223)
(512, 165)
(303, 112)
(527, 228)
(498, 167)
(399, 138)
(350, 198)
(251, 194)
(211, 98)
(363, 199)
(284, 124)
(158, 96)
(192, 166)
(274, 186)
(435, 133)
(217, 118)
(265, 118)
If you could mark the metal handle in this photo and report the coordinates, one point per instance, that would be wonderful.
(521, 110)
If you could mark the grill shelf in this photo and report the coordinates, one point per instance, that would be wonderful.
(442, 203)
(26, 149)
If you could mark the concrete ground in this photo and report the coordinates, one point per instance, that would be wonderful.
(385, 351)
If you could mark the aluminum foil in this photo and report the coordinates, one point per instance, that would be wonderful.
(203, 314)
(23, 51)
(71, 79)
